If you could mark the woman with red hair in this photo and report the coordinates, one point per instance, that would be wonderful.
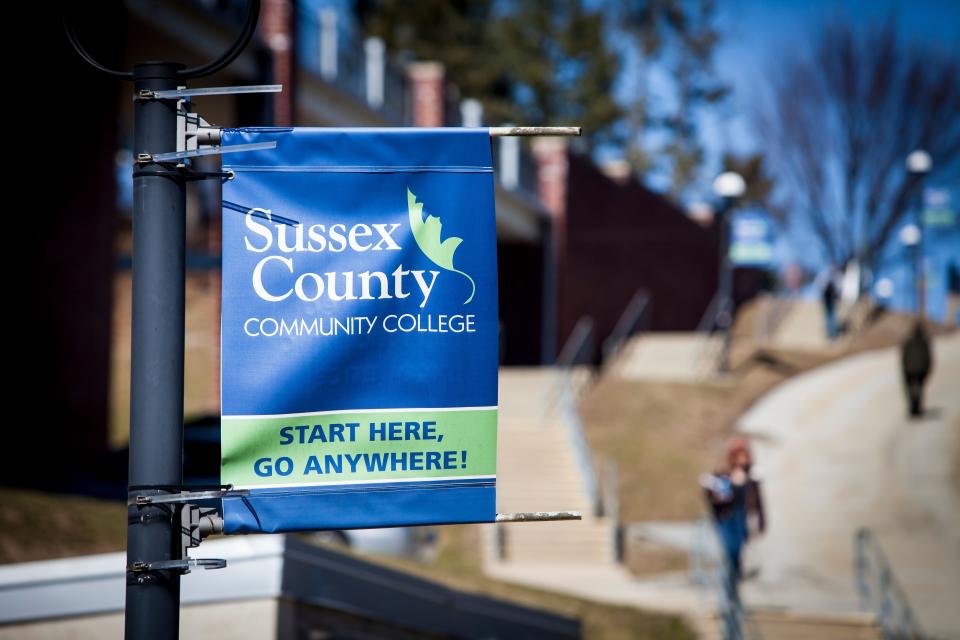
(734, 499)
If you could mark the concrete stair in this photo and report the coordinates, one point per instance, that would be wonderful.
(538, 470)
(587, 541)
(799, 625)
(675, 357)
(802, 327)
(784, 624)
(526, 393)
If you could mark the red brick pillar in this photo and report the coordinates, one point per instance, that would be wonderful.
(276, 28)
(426, 94)
(552, 170)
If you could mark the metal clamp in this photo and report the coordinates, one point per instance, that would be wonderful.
(184, 92)
(188, 496)
(196, 523)
(176, 156)
(183, 565)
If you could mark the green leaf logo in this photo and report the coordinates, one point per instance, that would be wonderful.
(427, 235)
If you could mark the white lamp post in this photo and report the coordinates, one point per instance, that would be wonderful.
(729, 186)
(919, 163)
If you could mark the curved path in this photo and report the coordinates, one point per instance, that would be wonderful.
(835, 452)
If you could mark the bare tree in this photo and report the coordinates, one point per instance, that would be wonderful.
(839, 123)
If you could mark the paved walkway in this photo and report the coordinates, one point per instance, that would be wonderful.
(836, 452)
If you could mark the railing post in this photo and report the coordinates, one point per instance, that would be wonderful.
(885, 604)
(328, 44)
(500, 541)
(375, 70)
(611, 489)
(471, 112)
(509, 169)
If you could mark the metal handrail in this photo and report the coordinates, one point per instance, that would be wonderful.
(767, 323)
(570, 417)
(880, 592)
(708, 325)
(577, 350)
(708, 320)
(635, 318)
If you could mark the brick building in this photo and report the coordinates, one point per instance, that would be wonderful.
(571, 241)
(611, 238)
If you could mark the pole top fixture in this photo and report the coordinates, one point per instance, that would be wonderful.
(228, 56)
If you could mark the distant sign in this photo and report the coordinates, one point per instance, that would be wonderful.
(359, 329)
(751, 239)
(937, 210)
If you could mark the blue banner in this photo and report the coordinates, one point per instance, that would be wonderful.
(359, 329)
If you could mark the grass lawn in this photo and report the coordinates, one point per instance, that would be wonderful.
(663, 435)
(39, 526)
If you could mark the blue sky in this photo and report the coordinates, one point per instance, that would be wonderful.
(756, 32)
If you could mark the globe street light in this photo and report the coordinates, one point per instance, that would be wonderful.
(729, 186)
(910, 235)
(919, 163)
(884, 288)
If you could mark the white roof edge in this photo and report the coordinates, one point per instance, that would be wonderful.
(92, 584)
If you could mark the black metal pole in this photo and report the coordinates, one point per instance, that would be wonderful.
(156, 391)
(919, 273)
(725, 315)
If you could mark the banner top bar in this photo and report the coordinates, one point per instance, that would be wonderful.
(499, 132)
(211, 135)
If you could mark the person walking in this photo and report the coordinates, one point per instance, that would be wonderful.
(736, 505)
(830, 295)
(916, 361)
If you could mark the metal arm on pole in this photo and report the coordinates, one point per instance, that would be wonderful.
(211, 135)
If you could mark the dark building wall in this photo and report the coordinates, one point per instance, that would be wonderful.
(520, 275)
(620, 238)
(61, 247)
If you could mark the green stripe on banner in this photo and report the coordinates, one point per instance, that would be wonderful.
(358, 446)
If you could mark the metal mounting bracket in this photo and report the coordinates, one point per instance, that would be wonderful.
(187, 496)
(184, 92)
(183, 565)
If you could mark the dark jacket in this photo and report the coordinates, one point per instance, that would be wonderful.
(745, 499)
(915, 354)
(830, 295)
